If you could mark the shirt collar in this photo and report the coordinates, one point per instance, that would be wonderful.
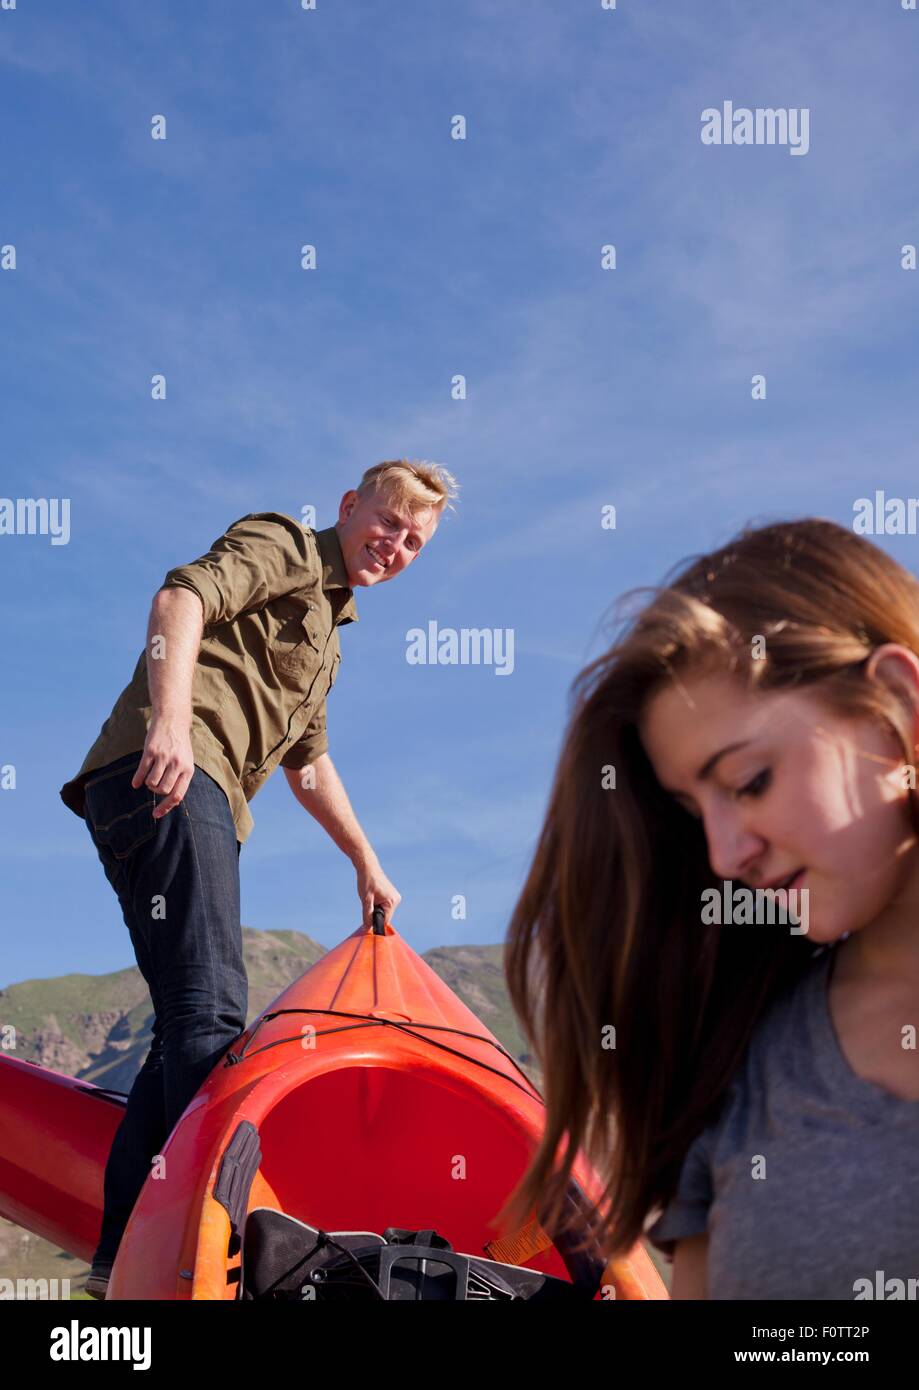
(335, 576)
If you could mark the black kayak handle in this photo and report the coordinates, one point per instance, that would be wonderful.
(378, 918)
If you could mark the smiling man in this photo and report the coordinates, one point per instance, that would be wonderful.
(242, 652)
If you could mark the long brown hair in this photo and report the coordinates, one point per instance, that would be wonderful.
(608, 928)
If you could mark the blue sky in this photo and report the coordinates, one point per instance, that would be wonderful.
(435, 257)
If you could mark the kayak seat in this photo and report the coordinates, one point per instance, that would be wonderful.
(286, 1259)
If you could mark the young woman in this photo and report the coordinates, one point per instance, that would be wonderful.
(755, 725)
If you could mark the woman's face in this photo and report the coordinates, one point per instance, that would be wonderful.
(804, 790)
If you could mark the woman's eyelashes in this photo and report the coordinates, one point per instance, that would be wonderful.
(757, 786)
(754, 788)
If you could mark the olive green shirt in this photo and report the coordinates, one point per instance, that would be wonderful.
(274, 594)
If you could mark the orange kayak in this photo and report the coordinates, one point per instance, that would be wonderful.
(366, 1099)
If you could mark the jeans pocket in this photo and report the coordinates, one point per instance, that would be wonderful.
(120, 816)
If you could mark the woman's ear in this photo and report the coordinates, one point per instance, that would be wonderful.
(897, 667)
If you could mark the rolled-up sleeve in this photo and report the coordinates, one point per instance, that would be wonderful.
(259, 557)
(687, 1214)
(312, 743)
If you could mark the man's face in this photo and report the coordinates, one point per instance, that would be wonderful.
(378, 541)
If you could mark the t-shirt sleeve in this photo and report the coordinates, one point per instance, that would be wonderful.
(687, 1212)
(312, 742)
(259, 557)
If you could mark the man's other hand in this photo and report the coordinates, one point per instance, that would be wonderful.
(375, 890)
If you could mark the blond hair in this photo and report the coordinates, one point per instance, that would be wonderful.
(412, 485)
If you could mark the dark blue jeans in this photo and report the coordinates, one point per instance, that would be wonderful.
(177, 880)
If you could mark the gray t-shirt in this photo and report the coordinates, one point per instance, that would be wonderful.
(840, 1199)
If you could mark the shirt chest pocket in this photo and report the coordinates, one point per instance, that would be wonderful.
(295, 642)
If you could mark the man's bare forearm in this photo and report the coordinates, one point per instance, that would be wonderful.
(327, 801)
(173, 641)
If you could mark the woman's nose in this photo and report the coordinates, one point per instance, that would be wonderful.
(732, 849)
